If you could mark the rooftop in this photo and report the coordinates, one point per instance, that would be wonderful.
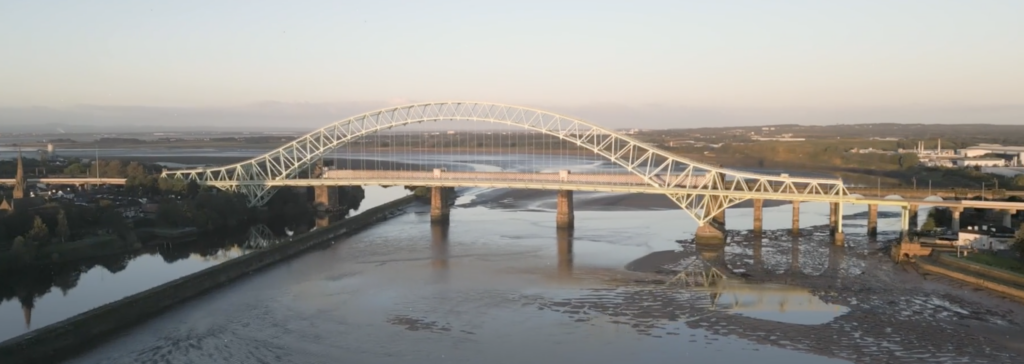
(997, 148)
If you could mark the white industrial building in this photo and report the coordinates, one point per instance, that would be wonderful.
(1013, 154)
(979, 162)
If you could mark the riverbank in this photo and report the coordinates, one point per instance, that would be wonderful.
(67, 337)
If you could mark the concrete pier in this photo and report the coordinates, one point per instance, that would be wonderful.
(913, 216)
(955, 224)
(439, 204)
(565, 214)
(758, 215)
(325, 197)
(1008, 218)
(836, 217)
(712, 231)
(905, 224)
(872, 221)
(833, 217)
(796, 217)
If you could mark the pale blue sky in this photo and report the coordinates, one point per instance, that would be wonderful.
(722, 57)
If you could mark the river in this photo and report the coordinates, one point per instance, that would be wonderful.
(43, 295)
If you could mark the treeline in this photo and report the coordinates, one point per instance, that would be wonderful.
(813, 153)
(32, 229)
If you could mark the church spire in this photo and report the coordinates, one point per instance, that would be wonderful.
(19, 180)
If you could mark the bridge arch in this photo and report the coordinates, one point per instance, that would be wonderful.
(688, 183)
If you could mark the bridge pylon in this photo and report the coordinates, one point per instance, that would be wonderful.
(439, 209)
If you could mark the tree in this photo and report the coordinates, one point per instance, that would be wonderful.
(39, 234)
(19, 245)
(113, 168)
(63, 232)
(75, 170)
(929, 224)
(139, 180)
(1019, 180)
(192, 189)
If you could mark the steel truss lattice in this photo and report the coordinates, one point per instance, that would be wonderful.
(657, 167)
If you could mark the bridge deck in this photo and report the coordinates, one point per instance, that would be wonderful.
(599, 187)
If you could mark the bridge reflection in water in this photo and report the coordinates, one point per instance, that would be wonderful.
(439, 252)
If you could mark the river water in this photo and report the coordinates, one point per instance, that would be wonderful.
(501, 284)
(39, 296)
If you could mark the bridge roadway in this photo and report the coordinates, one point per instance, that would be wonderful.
(940, 192)
(616, 183)
(69, 181)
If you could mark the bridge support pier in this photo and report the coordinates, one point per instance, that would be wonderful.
(758, 216)
(836, 217)
(796, 218)
(439, 204)
(565, 213)
(873, 220)
(905, 223)
(1008, 218)
(913, 216)
(955, 224)
(325, 197)
(832, 212)
(713, 231)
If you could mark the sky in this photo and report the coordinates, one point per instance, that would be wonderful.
(657, 64)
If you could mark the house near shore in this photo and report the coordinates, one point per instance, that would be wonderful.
(987, 237)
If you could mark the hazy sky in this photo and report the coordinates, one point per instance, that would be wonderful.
(742, 61)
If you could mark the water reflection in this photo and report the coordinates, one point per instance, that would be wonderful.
(794, 255)
(439, 249)
(713, 255)
(777, 303)
(33, 286)
(565, 242)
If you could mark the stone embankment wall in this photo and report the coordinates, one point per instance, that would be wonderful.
(1006, 283)
(73, 335)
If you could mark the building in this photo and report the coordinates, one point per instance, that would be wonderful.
(778, 139)
(923, 152)
(1013, 154)
(987, 237)
(978, 162)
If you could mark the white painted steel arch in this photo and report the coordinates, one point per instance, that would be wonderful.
(657, 167)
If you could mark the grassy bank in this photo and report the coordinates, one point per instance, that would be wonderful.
(1009, 264)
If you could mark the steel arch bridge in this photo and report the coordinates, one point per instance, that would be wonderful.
(701, 189)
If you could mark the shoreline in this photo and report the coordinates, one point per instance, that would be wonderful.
(76, 334)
